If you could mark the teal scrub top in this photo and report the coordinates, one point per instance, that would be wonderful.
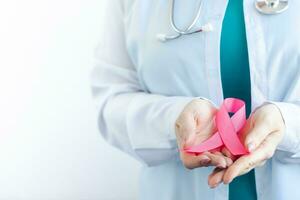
(236, 81)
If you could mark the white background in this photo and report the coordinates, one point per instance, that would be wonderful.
(50, 147)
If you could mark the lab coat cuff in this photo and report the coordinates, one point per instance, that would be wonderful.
(291, 140)
(210, 101)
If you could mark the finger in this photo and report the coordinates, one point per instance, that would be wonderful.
(191, 161)
(241, 164)
(204, 160)
(257, 135)
(217, 160)
(215, 178)
(262, 163)
(245, 163)
(227, 153)
(227, 159)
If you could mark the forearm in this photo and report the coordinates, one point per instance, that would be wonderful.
(137, 122)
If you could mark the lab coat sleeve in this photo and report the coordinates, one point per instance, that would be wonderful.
(289, 147)
(139, 123)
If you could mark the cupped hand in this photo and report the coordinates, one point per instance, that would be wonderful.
(194, 125)
(261, 135)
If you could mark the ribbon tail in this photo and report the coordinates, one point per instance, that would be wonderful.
(211, 143)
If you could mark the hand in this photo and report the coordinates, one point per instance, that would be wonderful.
(194, 125)
(261, 135)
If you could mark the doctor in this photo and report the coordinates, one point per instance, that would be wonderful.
(157, 90)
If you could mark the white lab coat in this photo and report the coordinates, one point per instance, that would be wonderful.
(141, 85)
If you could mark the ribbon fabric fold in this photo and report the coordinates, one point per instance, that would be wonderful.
(227, 129)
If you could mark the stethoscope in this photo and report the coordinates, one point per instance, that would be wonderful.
(267, 7)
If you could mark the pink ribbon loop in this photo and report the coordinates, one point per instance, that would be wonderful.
(228, 128)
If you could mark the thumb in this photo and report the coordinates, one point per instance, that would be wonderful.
(256, 135)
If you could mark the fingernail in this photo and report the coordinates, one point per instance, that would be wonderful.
(213, 186)
(222, 166)
(251, 146)
(205, 161)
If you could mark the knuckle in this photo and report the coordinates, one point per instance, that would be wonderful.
(180, 126)
(248, 167)
(177, 126)
(178, 123)
(251, 164)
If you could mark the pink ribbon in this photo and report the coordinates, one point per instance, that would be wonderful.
(228, 128)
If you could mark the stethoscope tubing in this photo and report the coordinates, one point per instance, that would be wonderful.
(187, 30)
(268, 7)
